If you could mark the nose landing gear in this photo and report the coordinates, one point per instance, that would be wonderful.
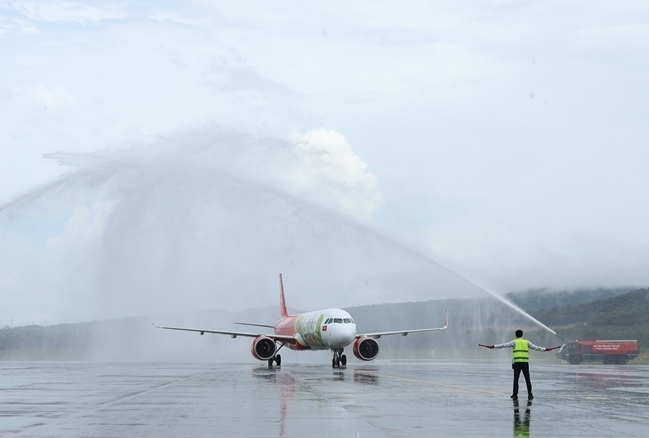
(339, 360)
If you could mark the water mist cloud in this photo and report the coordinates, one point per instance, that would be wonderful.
(208, 218)
(199, 134)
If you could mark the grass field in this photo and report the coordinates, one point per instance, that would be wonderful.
(642, 359)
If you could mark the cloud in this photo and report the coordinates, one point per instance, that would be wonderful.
(66, 12)
(326, 167)
(416, 121)
(43, 97)
(210, 216)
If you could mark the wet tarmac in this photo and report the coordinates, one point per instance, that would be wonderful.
(379, 399)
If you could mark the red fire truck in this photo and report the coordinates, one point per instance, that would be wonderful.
(617, 351)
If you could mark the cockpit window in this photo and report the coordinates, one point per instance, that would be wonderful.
(339, 321)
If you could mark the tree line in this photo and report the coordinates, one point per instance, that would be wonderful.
(618, 315)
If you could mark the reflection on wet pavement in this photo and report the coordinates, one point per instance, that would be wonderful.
(522, 425)
(381, 399)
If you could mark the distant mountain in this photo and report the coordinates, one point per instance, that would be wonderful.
(533, 300)
(487, 320)
(629, 309)
(621, 317)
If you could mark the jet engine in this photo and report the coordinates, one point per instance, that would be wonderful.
(366, 348)
(263, 348)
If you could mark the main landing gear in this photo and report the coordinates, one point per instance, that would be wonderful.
(339, 359)
(277, 358)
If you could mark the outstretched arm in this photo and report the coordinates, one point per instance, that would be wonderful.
(505, 345)
(537, 348)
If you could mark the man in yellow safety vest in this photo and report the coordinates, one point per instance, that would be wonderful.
(521, 360)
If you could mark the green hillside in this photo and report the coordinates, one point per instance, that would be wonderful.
(533, 300)
(486, 320)
(621, 317)
(626, 310)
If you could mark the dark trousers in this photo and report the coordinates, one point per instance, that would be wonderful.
(525, 368)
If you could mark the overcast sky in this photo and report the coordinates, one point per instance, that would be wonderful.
(151, 154)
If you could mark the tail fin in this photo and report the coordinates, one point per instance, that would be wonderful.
(282, 301)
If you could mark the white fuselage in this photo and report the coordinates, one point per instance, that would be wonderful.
(318, 330)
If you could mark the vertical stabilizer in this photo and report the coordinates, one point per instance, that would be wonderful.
(282, 300)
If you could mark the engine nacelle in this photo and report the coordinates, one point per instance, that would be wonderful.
(366, 348)
(263, 348)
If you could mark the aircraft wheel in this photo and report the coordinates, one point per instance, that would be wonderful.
(333, 363)
(343, 360)
(270, 362)
(278, 360)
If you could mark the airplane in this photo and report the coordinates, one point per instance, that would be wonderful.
(332, 329)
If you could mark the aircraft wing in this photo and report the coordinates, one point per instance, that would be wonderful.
(279, 338)
(377, 335)
(255, 325)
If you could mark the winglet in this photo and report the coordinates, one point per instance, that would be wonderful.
(282, 301)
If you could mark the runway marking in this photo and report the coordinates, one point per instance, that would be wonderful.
(444, 385)
(143, 391)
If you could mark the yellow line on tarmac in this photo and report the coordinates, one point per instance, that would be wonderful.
(444, 385)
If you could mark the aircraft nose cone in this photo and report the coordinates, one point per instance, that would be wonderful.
(340, 335)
